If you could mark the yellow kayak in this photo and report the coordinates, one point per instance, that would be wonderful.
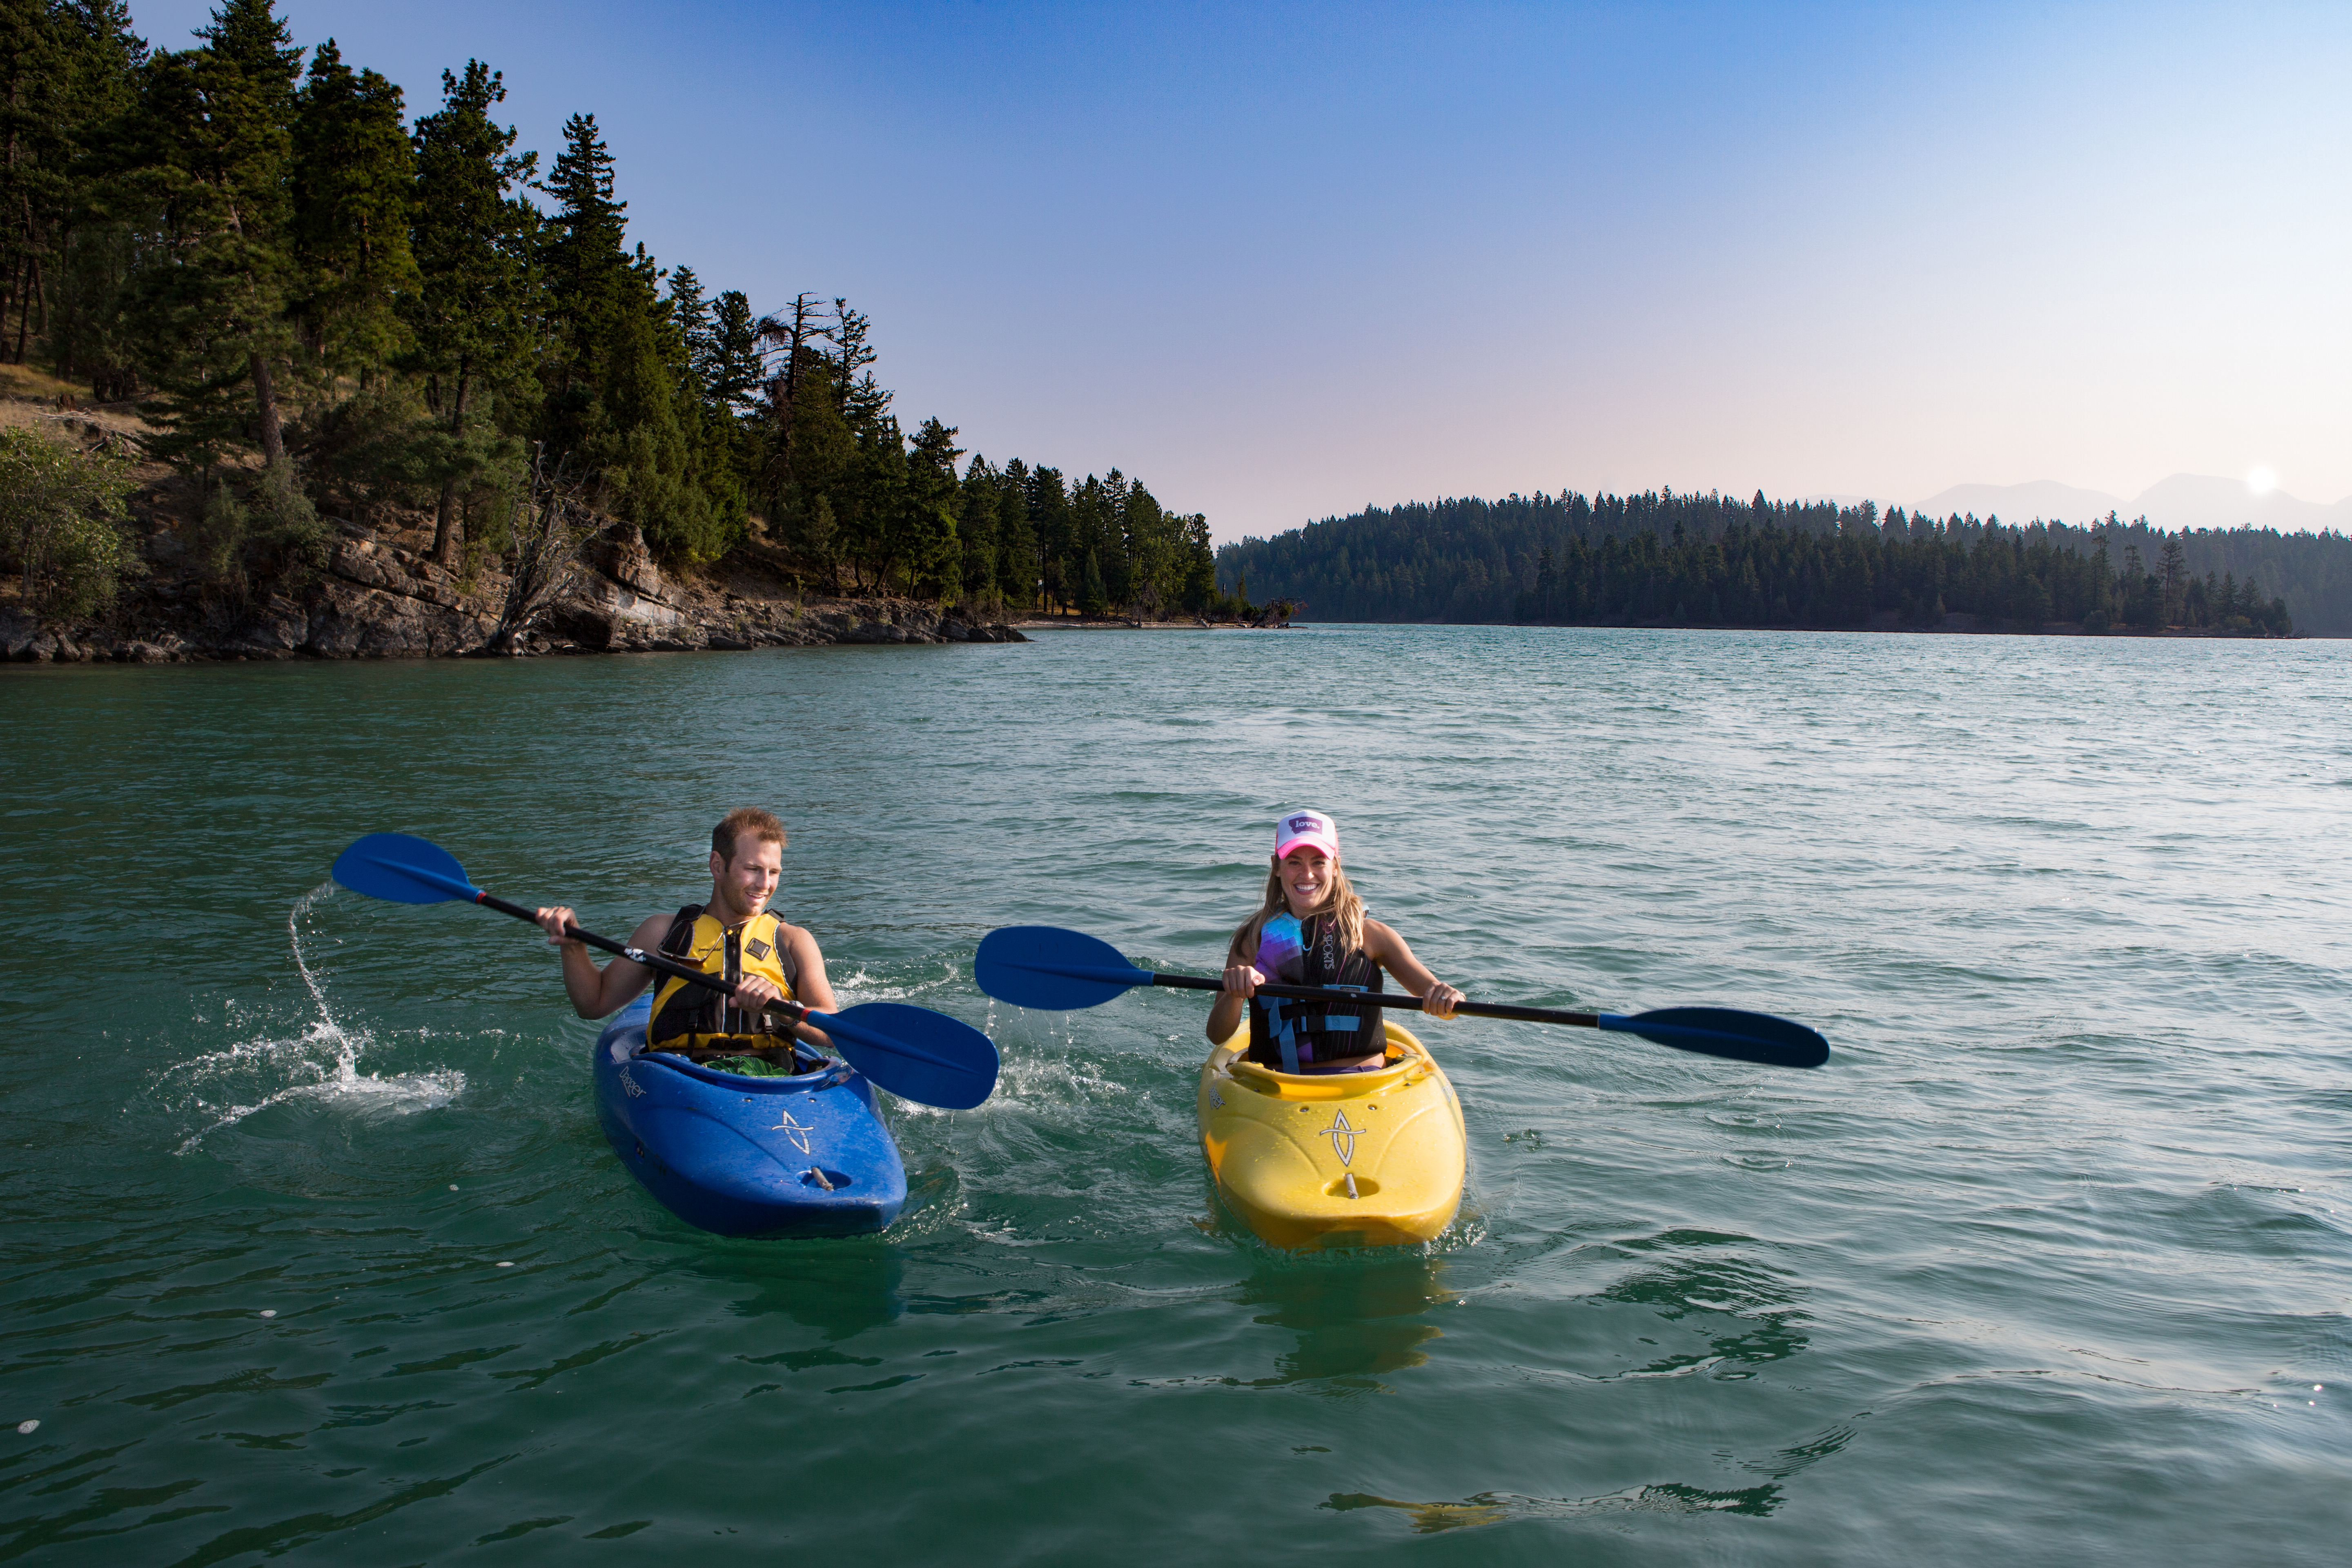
(1359, 1159)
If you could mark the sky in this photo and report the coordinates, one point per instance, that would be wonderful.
(1282, 261)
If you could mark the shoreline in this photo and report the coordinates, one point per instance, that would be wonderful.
(376, 599)
(2048, 628)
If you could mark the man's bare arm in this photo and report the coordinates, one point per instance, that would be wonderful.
(600, 993)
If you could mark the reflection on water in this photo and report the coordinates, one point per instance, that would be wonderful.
(1494, 1507)
(1714, 1274)
(1356, 1317)
(839, 1288)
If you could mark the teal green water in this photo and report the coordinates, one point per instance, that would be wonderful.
(2042, 1268)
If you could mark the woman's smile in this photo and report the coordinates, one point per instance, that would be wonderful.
(1306, 877)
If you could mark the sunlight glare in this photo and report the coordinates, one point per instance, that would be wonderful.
(2261, 481)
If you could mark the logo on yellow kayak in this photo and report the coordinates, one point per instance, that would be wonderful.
(1342, 1136)
(793, 1131)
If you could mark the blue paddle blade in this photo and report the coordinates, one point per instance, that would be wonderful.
(915, 1053)
(405, 869)
(1052, 969)
(1727, 1032)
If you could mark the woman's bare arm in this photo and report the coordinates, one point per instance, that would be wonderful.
(1389, 950)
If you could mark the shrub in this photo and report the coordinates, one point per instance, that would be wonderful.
(63, 514)
(217, 540)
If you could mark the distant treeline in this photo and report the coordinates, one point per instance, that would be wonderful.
(1663, 559)
(320, 304)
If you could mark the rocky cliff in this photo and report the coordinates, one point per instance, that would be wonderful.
(373, 598)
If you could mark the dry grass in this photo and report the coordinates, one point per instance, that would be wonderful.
(35, 400)
(22, 382)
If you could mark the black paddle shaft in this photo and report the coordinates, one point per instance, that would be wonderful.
(1388, 999)
(793, 1011)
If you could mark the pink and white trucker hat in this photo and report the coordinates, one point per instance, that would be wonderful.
(1299, 827)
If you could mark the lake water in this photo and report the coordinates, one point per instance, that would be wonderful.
(2051, 1264)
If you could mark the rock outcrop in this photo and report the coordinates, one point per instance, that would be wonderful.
(374, 600)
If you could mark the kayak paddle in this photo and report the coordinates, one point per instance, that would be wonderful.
(1058, 969)
(915, 1053)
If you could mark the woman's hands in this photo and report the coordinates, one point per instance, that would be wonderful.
(1440, 1000)
(1242, 980)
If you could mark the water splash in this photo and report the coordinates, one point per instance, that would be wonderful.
(323, 1061)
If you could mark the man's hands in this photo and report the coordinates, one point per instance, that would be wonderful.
(555, 922)
(756, 991)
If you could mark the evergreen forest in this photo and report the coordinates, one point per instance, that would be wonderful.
(1665, 559)
(320, 304)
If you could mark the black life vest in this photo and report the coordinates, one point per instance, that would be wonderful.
(696, 1018)
(1285, 1035)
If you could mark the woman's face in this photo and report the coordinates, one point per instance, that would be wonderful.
(1306, 874)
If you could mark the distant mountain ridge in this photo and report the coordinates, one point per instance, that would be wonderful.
(2183, 500)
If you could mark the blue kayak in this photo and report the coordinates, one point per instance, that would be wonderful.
(807, 1156)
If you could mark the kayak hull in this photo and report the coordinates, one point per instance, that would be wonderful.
(1283, 1146)
(807, 1155)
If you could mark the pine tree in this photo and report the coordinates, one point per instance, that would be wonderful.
(33, 50)
(84, 205)
(475, 242)
(1149, 550)
(1017, 566)
(865, 501)
(1093, 599)
(689, 314)
(2172, 571)
(217, 140)
(797, 331)
(354, 188)
(977, 500)
(731, 369)
(1199, 569)
(652, 446)
(863, 400)
(1049, 521)
(821, 452)
(924, 536)
(588, 281)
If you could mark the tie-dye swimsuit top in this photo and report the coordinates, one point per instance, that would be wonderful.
(1291, 1036)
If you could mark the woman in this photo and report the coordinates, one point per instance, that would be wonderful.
(1312, 930)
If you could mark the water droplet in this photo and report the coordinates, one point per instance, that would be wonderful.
(453, 1187)
(269, 1311)
(507, 1265)
(27, 1428)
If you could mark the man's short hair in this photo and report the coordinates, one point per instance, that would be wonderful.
(747, 819)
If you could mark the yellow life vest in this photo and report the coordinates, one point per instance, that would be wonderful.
(696, 1018)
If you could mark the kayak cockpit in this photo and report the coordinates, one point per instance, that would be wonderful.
(1405, 1065)
(828, 1071)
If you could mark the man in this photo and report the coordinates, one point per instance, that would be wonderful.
(734, 936)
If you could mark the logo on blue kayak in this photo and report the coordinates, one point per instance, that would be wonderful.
(1342, 1136)
(630, 1084)
(793, 1131)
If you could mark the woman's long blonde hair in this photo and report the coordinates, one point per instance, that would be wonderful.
(1339, 902)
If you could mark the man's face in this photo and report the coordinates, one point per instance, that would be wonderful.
(747, 881)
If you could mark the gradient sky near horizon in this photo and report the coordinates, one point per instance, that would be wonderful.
(1279, 262)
